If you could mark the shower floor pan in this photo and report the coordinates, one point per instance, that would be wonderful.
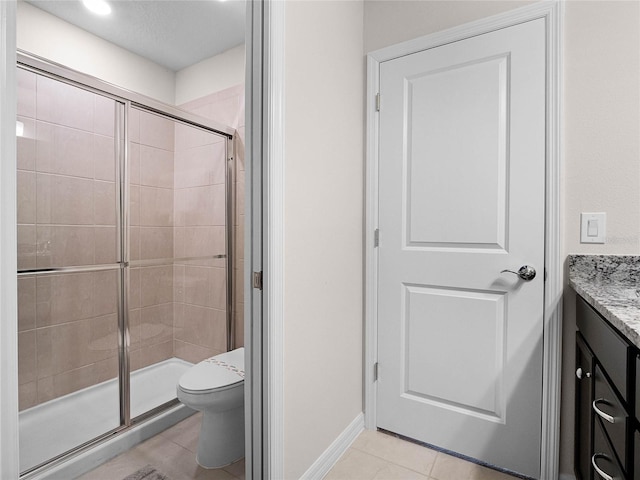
(52, 428)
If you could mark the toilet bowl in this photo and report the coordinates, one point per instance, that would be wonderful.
(215, 387)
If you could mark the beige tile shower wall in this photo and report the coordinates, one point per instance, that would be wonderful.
(66, 175)
(199, 229)
(151, 179)
(227, 107)
(68, 334)
(66, 216)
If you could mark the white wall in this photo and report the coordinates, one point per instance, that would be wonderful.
(49, 37)
(601, 127)
(54, 39)
(324, 82)
(602, 149)
(210, 75)
(394, 21)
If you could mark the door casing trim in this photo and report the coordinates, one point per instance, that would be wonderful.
(274, 239)
(553, 13)
(9, 462)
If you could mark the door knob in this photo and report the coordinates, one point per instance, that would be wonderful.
(525, 272)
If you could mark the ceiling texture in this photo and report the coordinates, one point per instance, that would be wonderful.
(172, 33)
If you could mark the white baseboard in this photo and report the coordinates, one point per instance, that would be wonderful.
(331, 455)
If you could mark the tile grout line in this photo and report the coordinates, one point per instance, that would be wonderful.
(175, 443)
(427, 475)
(193, 453)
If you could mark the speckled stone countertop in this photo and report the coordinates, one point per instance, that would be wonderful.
(611, 285)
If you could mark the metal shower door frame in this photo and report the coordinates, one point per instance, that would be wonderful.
(126, 100)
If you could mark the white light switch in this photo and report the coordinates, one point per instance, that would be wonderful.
(593, 227)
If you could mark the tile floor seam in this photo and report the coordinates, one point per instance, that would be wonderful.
(413, 470)
(428, 475)
(176, 443)
(368, 453)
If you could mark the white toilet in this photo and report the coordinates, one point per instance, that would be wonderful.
(215, 387)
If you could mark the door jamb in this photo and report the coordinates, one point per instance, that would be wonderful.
(264, 413)
(9, 462)
(253, 308)
(553, 13)
(264, 170)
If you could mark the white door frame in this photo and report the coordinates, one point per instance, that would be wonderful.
(264, 320)
(253, 335)
(264, 171)
(552, 12)
(8, 261)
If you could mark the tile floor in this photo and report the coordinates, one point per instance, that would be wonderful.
(172, 452)
(373, 456)
(379, 456)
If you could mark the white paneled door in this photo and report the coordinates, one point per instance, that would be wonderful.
(461, 198)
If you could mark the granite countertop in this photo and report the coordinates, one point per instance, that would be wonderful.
(611, 285)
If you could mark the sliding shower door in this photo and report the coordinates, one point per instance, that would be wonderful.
(124, 257)
(177, 252)
(69, 271)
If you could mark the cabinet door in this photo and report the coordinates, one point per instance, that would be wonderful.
(607, 344)
(607, 406)
(636, 436)
(584, 419)
(605, 464)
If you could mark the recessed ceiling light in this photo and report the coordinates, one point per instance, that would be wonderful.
(99, 7)
(19, 129)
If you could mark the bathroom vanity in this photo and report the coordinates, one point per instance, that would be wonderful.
(607, 428)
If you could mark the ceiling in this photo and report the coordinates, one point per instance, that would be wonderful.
(172, 33)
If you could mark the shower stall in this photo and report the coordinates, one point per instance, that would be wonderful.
(125, 235)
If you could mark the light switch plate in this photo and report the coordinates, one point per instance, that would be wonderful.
(593, 227)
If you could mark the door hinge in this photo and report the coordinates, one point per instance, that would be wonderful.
(257, 280)
(377, 102)
(376, 237)
(375, 372)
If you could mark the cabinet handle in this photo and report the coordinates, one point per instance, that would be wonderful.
(580, 373)
(598, 470)
(600, 413)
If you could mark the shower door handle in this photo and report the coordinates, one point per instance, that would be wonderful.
(525, 272)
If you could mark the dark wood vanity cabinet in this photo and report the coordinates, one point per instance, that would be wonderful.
(584, 426)
(607, 400)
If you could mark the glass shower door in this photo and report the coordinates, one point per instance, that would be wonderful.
(123, 261)
(69, 272)
(177, 290)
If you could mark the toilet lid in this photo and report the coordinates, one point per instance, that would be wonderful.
(216, 372)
